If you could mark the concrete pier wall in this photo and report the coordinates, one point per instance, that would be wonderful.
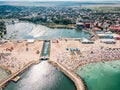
(6, 80)
(72, 75)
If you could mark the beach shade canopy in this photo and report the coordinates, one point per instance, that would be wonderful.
(77, 49)
(108, 41)
(71, 49)
(109, 32)
(86, 41)
(109, 36)
(30, 41)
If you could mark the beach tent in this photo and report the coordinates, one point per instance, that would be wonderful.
(77, 49)
(116, 36)
(86, 41)
(71, 49)
(109, 32)
(109, 36)
(30, 41)
(108, 41)
(101, 35)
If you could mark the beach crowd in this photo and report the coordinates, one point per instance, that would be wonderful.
(15, 55)
(75, 58)
(10, 62)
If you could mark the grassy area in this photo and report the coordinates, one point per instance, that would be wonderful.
(2, 28)
(69, 26)
(105, 8)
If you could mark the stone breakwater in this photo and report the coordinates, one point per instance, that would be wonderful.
(79, 83)
(5, 81)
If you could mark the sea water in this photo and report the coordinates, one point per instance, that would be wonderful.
(101, 76)
(42, 76)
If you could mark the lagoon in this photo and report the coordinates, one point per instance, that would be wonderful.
(26, 30)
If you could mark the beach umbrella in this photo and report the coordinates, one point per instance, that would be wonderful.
(67, 49)
(70, 49)
(77, 49)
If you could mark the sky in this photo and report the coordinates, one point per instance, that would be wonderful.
(63, 0)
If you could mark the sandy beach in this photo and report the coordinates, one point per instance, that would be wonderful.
(72, 53)
(15, 54)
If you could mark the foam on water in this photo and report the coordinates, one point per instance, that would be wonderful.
(38, 31)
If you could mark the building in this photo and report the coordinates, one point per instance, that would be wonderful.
(86, 41)
(97, 30)
(30, 41)
(87, 25)
(108, 41)
(79, 26)
(114, 28)
(116, 36)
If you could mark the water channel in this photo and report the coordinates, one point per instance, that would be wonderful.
(42, 76)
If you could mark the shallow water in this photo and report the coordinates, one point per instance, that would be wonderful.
(101, 76)
(46, 47)
(42, 76)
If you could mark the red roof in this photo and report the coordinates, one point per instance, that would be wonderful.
(113, 27)
(108, 20)
(96, 29)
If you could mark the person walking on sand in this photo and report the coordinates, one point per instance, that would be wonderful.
(26, 46)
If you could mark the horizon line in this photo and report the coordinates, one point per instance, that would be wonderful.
(103, 1)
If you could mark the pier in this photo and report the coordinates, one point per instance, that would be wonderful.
(44, 58)
(45, 50)
(9, 78)
(68, 60)
(73, 76)
(79, 83)
(92, 33)
(16, 79)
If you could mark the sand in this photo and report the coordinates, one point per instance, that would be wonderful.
(59, 53)
(19, 56)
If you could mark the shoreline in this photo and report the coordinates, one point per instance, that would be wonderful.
(11, 76)
(96, 61)
(61, 26)
(79, 83)
(19, 59)
(71, 60)
(58, 26)
(77, 80)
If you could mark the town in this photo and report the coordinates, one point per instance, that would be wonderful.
(94, 37)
